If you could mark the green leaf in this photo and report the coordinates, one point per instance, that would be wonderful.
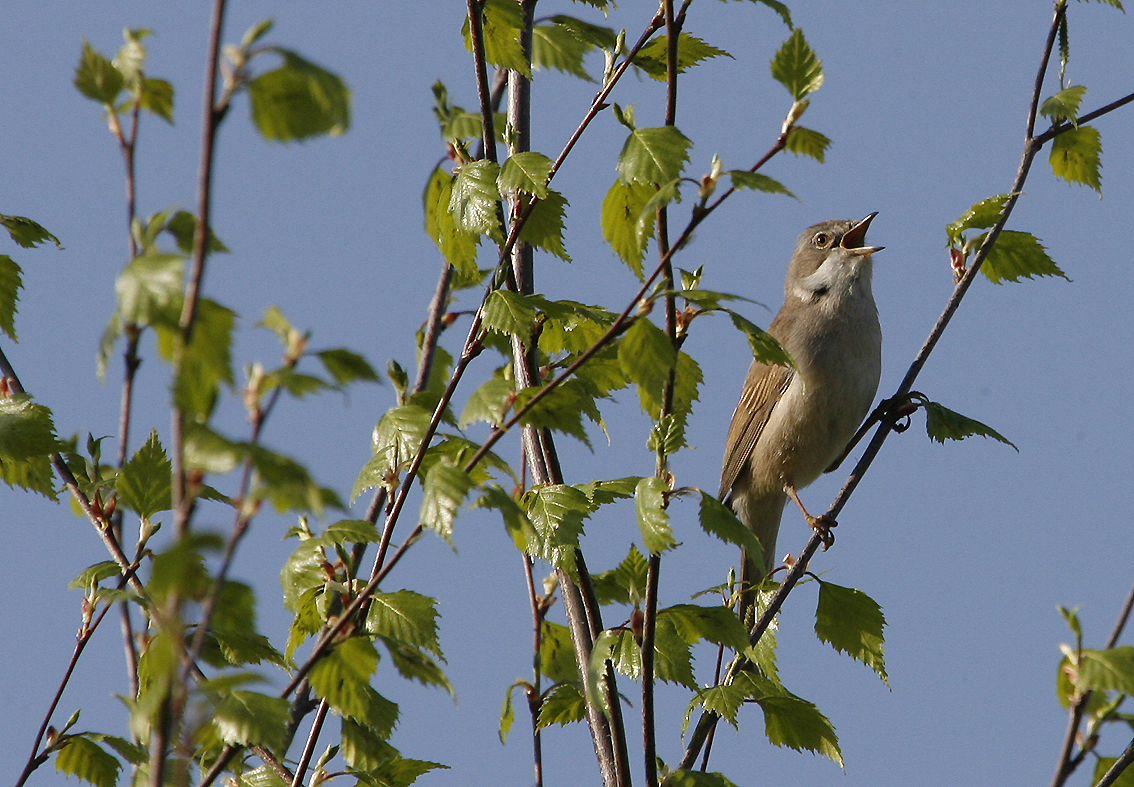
(943, 424)
(653, 521)
(592, 35)
(1106, 670)
(557, 513)
(27, 233)
(490, 402)
(298, 100)
(780, 9)
(667, 435)
(653, 156)
(10, 284)
(456, 245)
(652, 58)
(26, 429)
(851, 622)
(342, 677)
(96, 77)
(149, 289)
(347, 367)
(790, 721)
(570, 326)
(625, 584)
(1075, 157)
(980, 216)
(621, 208)
(245, 718)
(405, 616)
(1017, 255)
(555, 46)
(717, 624)
(90, 577)
(683, 778)
(399, 435)
(182, 225)
(88, 761)
(516, 521)
(362, 748)
(206, 362)
(157, 97)
(501, 21)
(764, 346)
(412, 664)
(718, 520)
(557, 653)
(796, 67)
(525, 172)
(443, 495)
(144, 483)
(647, 356)
(743, 179)
(807, 142)
(673, 656)
(724, 700)
(351, 531)
(544, 227)
(474, 204)
(561, 410)
(562, 705)
(1104, 764)
(508, 312)
(1064, 105)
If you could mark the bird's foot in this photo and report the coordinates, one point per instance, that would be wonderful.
(823, 525)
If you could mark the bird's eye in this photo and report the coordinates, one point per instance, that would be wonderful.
(821, 239)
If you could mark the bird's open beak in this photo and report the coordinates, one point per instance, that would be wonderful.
(855, 239)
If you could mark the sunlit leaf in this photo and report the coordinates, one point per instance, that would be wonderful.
(851, 622)
(653, 155)
(525, 172)
(742, 179)
(1064, 105)
(544, 227)
(555, 46)
(298, 100)
(474, 203)
(88, 761)
(807, 142)
(144, 483)
(10, 284)
(652, 58)
(501, 22)
(444, 492)
(1075, 156)
(1017, 255)
(456, 245)
(621, 208)
(653, 521)
(245, 718)
(96, 77)
(796, 67)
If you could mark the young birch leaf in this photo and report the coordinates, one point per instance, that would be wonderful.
(625, 584)
(780, 9)
(149, 289)
(526, 172)
(501, 21)
(489, 402)
(1017, 255)
(475, 199)
(764, 346)
(653, 521)
(157, 97)
(27, 233)
(652, 58)
(88, 761)
(144, 483)
(561, 410)
(796, 67)
(443, 495)
(980, 216)
(1064, 105)
(851, 622)
(647, 356)
(723, 700)
(653, 156)
(405, 616)
(342, 677)
(943, 424)
(718, 520)
(557, 513)
(246, 718)
(562, 705)
(807, 142)
(544, 227)
(594, 36)
(797, 724)
(1107, 670)
(509, 313)
(620, 211)
(298, 100)
(10, 284)
(673, 657)
(96, 77)
(362, 748)
(26, 429)
(718, 625)
(743, 179)
(347, 367)
(182, 225)
(554, 46)
(1075, 157)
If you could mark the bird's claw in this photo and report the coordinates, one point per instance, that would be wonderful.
(823, 525)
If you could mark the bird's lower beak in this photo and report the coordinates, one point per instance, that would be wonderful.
(854, 240)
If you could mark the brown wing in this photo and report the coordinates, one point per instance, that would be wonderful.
(763, 387)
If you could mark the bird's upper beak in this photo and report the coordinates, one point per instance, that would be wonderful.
(855, 239)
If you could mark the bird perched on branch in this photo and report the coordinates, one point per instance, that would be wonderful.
(791, 424)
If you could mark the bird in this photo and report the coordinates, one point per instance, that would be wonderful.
(792, 423)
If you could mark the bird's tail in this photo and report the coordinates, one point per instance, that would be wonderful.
(762, 516)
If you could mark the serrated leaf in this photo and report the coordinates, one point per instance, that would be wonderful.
(27, 233)
(26, 429)
(405, 616)
(347, 367)
(789, 720)
(157, 97)
(764, 346)
(624, 584)
(723, 700)
(653, 156)
(298, 100)
(667, 435)
(562, 705)
(647, 356)
(1106, 670)
(557, 513)
(92, 575)
(247, 718)
(149, 289)
(780, 9)
(717, 624)
(943, 424)
(652, 58)
(557, 653)
(718, 520)
(342, 677)
(88, 761)
(474, 203)
(796, 67)
(807, 142)
(592, 35)
(489, 402)
(443, 494)
(412, 663)
(561, 410)
(1075, 157)
(501, 22)
(980, 216)
(351, 531)
(851, 622)
(508, 312)
(362, 748)
(621, 208)
(1017, 255)
(1064, 105)
(525, 172)
(457, 246)
(96, 77)
(743, 179)
(544, 227)
(10, 284)
(555, 46)
(570, 326)
(516, 521)
(399, 434)
(206, 362)
(653, 521)
(144, 483)
(673, 656)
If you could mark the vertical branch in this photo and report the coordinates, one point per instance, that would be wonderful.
(535, 692)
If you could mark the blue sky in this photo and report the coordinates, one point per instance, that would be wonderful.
(969, 547)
